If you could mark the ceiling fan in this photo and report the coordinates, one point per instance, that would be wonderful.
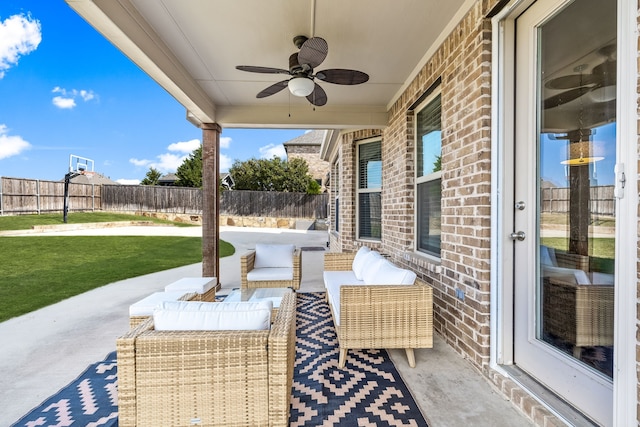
(312, 52)
(600, 83)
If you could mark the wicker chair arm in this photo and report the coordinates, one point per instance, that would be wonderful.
(297, 268)
(386, 316)
(281, 360)
(336, 261)
(247, 261)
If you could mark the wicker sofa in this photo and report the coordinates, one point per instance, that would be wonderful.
(214, 378)
(271, 266)
(378, 315)
(578, 302)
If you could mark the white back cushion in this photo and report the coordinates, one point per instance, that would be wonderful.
(384, 272)
(212, 316)
(548, 256)
(368, 262)
(274, 256)
(358, 261)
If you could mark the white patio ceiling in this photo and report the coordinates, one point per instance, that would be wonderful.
(191, 48)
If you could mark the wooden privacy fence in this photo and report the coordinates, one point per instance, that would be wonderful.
(34, 196)
(274, 204)
(602, 200)
(185, 200)
(24, 196)
(151, 198)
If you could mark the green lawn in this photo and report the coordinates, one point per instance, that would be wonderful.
(26, 222)
(41, 270)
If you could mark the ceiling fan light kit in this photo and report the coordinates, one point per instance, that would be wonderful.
(583, 153)
(313, 52)
(301, 86)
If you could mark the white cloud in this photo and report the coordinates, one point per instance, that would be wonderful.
(63, 103)
(138, 162)
(168, 162)
(11, 145)
(270, 150)
(128, 181)
(67, 98)
(225, 141)
(87, 95)
(225, 163)
(19, 35)
(185, 146)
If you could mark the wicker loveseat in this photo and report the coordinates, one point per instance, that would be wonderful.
(213, 378)
(578, 302)
(378, 315)
(271, 266)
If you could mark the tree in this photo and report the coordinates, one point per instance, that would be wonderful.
(189, 173)
(272, 174)
(152, 177)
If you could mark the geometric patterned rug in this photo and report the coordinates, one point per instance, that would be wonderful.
(90, 400)
(367, 392)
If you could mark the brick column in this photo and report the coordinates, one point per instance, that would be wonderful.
(211, 201)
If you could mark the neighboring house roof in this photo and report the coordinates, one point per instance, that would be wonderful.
(315, 137)
(97, 179)
(168, 179)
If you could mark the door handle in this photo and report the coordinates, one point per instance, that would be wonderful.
(518, 235)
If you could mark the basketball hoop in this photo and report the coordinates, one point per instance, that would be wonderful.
(77, 166)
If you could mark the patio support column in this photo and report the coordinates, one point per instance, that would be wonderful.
(211, 201)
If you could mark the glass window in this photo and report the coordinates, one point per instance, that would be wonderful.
(369, 202)
(428, 177)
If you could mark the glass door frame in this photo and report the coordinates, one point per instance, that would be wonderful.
(502, 320)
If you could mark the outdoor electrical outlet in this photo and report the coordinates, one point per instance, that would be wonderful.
(460, 294)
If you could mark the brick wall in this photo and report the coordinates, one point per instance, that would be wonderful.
(462, 69)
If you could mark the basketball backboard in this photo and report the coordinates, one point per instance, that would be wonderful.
(80, 165)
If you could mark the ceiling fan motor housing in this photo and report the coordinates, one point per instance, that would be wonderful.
(294, 66)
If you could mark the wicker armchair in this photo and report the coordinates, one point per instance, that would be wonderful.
(247, 262)
(382, 316)
(214, 378)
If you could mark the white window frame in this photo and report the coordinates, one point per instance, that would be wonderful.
(425, 178)
(366, 190)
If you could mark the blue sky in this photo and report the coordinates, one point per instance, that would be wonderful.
(65, 90)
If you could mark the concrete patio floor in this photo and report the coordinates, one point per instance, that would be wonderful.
(45, 350)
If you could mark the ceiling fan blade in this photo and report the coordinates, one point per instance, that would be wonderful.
(564, 97)
(263, 70)
(341, 76)
(273, 89)
(571, 81)
(318, 97)
(313, 52)
(605, 73)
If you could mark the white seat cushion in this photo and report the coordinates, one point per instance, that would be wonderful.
(333, 280)
(274, 256)
(212, 316)
(198, 285)
(145, 306)
(270, 273)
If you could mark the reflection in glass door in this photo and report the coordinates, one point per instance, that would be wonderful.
(565, 161)
(576, 182)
